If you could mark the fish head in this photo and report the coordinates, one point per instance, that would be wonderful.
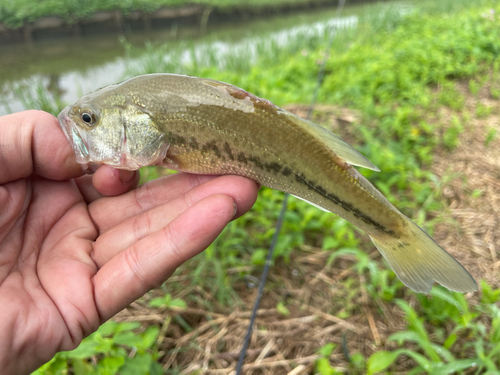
(106, 127)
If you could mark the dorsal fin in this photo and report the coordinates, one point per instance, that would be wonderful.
(340, 147)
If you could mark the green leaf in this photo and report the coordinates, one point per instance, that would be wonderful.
(127, 326)
(329, 242)
(402, 336)
(450, 341)
(56, 366)
(110, 365)
(59, 367)
(178, 304)
(324, 367)
(455, 366)
(42, 369)
(327, 349)
(455, 299)
(381, 360)
(488, 294)
(87, 348)
(358, 360)
(443, 352)
(490, 365)
(282, 309)
(139, 364)
(105, 345)
(259, 257)
(168, 302)
(82, 367)
(419, 358)
(128, 339)
(160, 301)
(107, 328)
(417, 325)
(156, 369)
(149, 337)
(423, 342)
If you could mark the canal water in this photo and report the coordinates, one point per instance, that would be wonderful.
(69, 68)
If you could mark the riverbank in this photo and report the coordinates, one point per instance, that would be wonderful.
(19, 25)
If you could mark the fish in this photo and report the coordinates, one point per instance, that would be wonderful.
(203, 126)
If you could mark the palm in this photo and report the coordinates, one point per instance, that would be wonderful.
(71, 258)
(46, 275)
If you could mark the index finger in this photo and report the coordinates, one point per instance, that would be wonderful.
(155, 193)
(33, 142)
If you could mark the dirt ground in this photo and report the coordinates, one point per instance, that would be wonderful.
(314, 293)
(473, 194)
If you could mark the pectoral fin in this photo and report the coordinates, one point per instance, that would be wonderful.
(187, 162)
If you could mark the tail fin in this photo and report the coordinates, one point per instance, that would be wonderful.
(419, 262)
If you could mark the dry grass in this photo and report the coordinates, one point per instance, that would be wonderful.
(472, 214)
(314, 295)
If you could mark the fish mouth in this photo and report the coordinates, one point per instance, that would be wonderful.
(76, 141)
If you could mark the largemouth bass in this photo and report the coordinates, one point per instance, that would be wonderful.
(204, 126)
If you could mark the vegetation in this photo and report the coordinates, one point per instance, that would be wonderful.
(400, 71)
(15, 12)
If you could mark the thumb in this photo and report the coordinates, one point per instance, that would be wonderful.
(32, 142)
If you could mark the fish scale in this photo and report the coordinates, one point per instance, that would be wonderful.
(315, 179)
(199, 125)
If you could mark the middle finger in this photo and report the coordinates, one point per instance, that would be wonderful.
(135, 228)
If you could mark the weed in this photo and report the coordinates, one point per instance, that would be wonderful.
(474, 87)
(482, 110)
(323, 365)
(120, 350)
(495, 93)
(450, 137)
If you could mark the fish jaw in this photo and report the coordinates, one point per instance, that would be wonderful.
(76, 141)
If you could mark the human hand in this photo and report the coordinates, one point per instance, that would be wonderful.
(75, 250)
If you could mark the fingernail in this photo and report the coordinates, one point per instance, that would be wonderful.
(126, 176)
(235, 209)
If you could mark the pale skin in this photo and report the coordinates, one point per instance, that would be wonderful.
(76, 249)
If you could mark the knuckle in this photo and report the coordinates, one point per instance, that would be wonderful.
(132, 260)
(188, 199)
(174, 246)
(145, 197)
(142, 225)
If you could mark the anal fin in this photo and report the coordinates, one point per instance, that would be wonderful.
(311, 203)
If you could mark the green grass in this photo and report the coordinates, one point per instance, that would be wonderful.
(111, 342)
(397, 71)
(15, 12)
(432, 348)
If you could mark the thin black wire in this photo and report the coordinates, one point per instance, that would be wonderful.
(279, 223)
(263, 279)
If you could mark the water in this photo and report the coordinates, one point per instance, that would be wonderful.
(67, 69)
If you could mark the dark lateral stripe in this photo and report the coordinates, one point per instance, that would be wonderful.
(286, 171)
(229, 152)
(300, 178)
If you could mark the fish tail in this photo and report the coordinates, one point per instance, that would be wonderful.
(419, 261)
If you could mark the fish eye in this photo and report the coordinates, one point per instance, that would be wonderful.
(88, 117)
